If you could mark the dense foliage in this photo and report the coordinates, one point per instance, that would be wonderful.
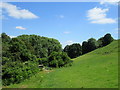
(73, 50)
(56, 59)
(100, 42)
(91, 44)
(103, 41)
(21, 56)
(84, 47)
(107, 39)
(15, 72)
(40, 46)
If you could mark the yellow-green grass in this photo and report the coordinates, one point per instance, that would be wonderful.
(97, 69)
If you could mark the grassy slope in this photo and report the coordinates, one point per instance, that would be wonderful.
(97, 69)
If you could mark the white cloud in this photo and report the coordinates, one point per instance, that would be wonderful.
(113, 2)
(20, 27)
(98, 15)
(16, 12)
(66, 32)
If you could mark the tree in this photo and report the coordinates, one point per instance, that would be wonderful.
(89, 45)
(66, 49)
(92, 44)
(17, 45)
(5, 44)
(5, 37)
(100, 42)
(73, 50)
(107, 39)
(84, 47)
(41, 47)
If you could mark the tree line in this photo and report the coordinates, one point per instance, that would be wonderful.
(91, 44)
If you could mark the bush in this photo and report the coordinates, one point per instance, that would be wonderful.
(43, 61)
(15, 72)
(58, 59)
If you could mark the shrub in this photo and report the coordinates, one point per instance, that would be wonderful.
(16, 72)
(58, 59)
(43, 61)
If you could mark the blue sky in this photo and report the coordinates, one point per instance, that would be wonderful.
(67, 22)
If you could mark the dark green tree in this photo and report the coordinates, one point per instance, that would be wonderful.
(66, 49)
(100, 42)
(89, 45)
(84, 47)
(73, 50)
(107, 39)
(92, 44)
(5, 44)
(5, 38)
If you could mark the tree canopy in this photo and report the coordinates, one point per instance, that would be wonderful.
(107, 39)
(91, 44)
(73, 50)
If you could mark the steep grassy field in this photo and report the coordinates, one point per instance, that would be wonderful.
(97, 69)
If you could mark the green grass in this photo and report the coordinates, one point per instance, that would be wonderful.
(97, 69)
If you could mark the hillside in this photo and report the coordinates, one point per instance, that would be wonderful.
(97, 69)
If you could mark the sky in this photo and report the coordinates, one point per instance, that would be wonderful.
(68, 22)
